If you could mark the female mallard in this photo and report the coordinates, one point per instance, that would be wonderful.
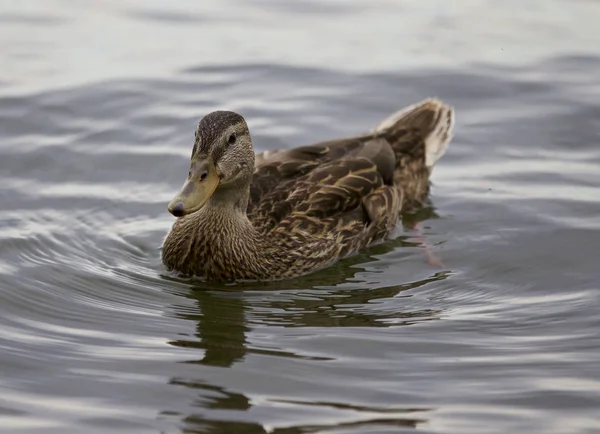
(285, 213)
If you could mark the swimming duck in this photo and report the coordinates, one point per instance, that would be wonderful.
(285, 213)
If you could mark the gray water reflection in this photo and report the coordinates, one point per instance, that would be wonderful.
(223, 319)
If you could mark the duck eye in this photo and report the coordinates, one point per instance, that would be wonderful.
(231, 139)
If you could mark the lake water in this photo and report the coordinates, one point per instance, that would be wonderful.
(98, 106)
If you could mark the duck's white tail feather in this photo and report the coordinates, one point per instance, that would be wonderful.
(434, 118)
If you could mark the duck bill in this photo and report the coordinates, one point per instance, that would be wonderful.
(202, 182)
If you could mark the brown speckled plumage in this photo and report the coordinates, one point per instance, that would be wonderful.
(302, 209)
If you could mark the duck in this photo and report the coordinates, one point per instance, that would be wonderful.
(281, 214)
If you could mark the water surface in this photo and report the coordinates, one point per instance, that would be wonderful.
(98, 106)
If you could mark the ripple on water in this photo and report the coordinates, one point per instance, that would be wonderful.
(95, 335)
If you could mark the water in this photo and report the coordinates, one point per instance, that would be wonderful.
(98, 105)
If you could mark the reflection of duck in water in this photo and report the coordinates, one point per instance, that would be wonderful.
(222, 325)
(224, 321)
(286, 213)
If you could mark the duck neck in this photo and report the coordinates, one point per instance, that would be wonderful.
(230, 200)
(225, 228)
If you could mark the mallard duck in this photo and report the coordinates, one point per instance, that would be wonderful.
(285, 213)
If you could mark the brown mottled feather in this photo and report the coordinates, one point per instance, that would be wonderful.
(311, 205)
